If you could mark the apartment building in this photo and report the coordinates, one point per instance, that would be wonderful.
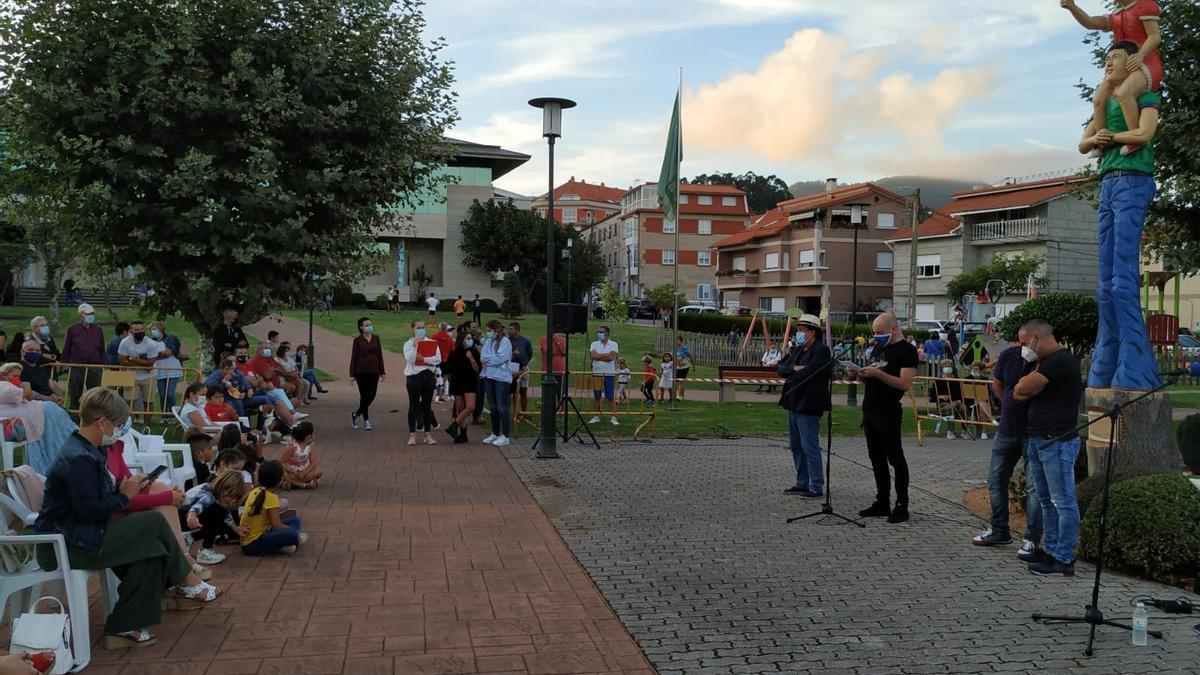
(580, 203)
(801, 253)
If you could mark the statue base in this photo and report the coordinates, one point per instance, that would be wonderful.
(1145, 434)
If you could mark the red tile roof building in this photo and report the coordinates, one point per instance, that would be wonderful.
(581, 203)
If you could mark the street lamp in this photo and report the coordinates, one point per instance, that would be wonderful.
(551, 129)
(856, 218)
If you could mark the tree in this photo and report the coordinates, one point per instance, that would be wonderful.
(664, 296)
(499, 237)
(1011, 271)
(615, 309)
(511, 306)
(1075, 319)
(231, 151)
(762, 192)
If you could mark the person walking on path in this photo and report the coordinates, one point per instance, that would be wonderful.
(806, 397)
(477, 310)
(366, 369)
(892, 371)
(1053, 391)
(497, 381)
(83, 345)
(419, 382)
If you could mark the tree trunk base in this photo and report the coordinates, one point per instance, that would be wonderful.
(1145, 433)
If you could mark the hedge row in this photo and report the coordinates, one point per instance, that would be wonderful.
(718, 324)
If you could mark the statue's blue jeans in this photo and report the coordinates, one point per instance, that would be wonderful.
(1122, 358)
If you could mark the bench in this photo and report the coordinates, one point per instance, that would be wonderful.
(731, 376)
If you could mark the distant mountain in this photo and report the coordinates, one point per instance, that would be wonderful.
(935, 192)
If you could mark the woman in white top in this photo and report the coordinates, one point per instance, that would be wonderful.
(290, 372)
(419, 380)
(771, 359)
(192, 413)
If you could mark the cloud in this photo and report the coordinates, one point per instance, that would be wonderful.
(992, 164)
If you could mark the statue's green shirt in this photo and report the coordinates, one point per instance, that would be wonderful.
(1143, 159)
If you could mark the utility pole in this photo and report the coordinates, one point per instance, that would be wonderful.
(912, 260)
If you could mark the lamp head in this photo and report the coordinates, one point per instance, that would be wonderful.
(552, 114)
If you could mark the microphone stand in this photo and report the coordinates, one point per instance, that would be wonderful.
(1092, 614)
(827, 507)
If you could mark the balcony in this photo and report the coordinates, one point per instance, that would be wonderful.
(633, 270)
(1024, 229)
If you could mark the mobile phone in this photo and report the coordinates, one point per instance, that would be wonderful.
(153, 475)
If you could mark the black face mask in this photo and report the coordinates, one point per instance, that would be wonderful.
(137, 337)
(242, 358)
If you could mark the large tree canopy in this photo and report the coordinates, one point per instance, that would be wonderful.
(228, 149)
(762, 192)
(1007, 274)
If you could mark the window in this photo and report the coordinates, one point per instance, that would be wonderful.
(705, 200)
(542, 212)
(728, 201)
(705, 226)
(926, 312)
(668, 257)
(929, 266)
(806, 259)
(703, 258)
(884, 260)
(771, 304)
(668, 227)
(704, 291)
(887, 221)
(631, 228)
(570, 216)
(771, 262)
(683, 199)
(787, 260)
(824, 260)
(739, 263)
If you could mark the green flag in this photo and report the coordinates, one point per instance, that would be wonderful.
(668, 178)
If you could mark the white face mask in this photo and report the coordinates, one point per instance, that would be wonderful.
(976, 373)
(109, 439)
(947, 371)
(1028, 354)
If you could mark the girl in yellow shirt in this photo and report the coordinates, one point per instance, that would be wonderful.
(266, 532)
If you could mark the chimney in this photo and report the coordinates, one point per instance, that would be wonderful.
(830, 184)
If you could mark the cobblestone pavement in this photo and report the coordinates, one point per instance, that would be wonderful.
(687, 542)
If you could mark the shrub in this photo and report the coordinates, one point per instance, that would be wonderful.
(342, 296)
(1151, 527)
(511, 307)
(1188, 435)
(1089, 489)
(358, 300)
(718, 324)
(381, 302)
(1074, 317)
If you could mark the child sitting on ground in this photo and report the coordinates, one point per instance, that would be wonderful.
(622, 381)
(299, 460)
(201, 445)
(207, 511)
(666, 381)
(649, 374)
(266, 531)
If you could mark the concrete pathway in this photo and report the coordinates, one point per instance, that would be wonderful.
(432, 559)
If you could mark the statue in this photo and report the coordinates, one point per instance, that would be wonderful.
(1137, 22)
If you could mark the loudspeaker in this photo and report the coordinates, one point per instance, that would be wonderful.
(569, 318)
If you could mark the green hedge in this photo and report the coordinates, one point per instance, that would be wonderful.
(1152, 528)
(1188, 435)
(718, 324)
(1087, 490)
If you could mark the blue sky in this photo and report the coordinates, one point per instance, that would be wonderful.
(858, 89)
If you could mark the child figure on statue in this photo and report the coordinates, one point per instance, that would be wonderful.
(1137, 22)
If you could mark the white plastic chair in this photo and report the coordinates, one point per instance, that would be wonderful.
(9, 451)
(149, 452)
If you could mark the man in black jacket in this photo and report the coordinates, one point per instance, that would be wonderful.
(806, 397)
(226, 336)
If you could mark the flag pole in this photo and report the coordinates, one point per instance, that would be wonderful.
(678, 221)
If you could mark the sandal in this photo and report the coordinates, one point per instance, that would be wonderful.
(133, 638)
(201, 571)
(192, 597)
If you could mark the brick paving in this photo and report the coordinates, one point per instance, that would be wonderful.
(433, 559)
(687, 541)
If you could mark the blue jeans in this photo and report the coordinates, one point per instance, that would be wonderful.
(313, 382)
(1054, 477)
(278, 398)
(1006, 450)
(804, 437)
(274, 540)
(497, 397)
(166, 392)
(1123, 357)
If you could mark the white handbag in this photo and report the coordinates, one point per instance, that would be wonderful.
(34, 633)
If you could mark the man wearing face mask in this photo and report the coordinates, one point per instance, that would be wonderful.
(806, 397)
(141, 351)
(83, 345)
(267, 382)
(37, 373)
(1053, 391)
(891, 373)
(226, 336)
(604, 353)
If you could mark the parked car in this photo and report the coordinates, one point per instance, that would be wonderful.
(698, 309)
(642, 309)
(736, 311)
(926, 324)
(1189, 345)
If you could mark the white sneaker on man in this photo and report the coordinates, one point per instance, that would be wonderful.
(491, 438)
(207, 556)
(299, 415)
(594, 420)
(614, 422)
(950, 436)
(501, 441)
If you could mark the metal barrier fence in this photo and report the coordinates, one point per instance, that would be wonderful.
(969, 404)
(582, 386)
(124, 379)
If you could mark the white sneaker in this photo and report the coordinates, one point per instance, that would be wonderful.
(983, 436)
(207, 556)
(950, 436)
(594, 420)
(299, 415)
(614, 422)
(303, 538)
(288, 550)
(367, 425)
(491, 438)
(501, 441)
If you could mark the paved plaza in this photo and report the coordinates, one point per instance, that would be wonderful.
(687, 542)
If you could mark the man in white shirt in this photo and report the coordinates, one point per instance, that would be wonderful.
(432, 303)
(138, 350)
(604, 353)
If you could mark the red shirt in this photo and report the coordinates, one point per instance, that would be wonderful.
(220, 413)
(560, 353)
(264, 367)
(1126, 24)
(445, 344)
(650, 373)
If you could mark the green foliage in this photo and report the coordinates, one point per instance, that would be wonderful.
(511, 307)
(1151, 527)
(1188, 436)
(612, 302)
(664, 296)
(421, 279)
(1090, 487)
(228, 150)
(718, 324)
(762, 192)
(1011, 272)
(1074, 317)
(382, 301)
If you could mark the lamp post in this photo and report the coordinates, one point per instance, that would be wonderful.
(551, 129)
(566, 254)
(855, 221)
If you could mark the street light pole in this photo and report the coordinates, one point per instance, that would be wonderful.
(551, 129)
(855, 219)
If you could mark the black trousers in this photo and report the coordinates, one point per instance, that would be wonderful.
(420, 401)
(479, 399)
(368, 386)
(212, 525)
(80, 380)
(884, 447)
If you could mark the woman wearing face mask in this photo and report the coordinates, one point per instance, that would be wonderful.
(167, 369)
(366, 369)
(947, 396)
(309, 374)
(805, 396)
(47, 424)
(497, 381)
(463, 367)
(771, 359)
(420, 357)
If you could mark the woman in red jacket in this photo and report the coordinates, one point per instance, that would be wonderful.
(366, 369)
